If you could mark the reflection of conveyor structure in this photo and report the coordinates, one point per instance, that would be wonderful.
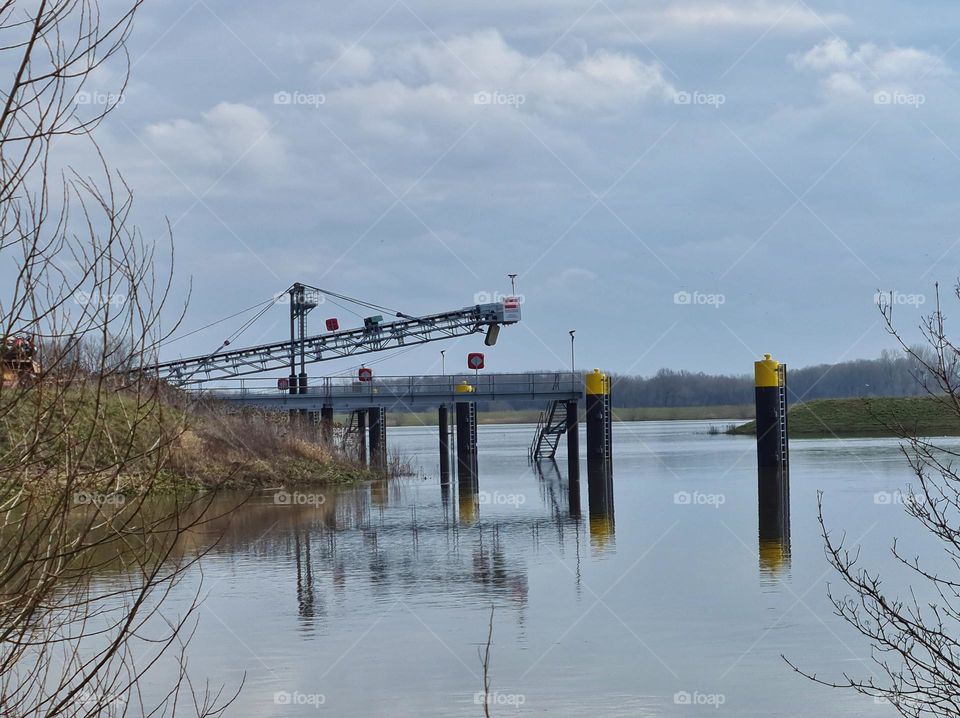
(407, 550)
(395, 548)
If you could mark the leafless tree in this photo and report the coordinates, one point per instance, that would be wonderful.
(914, 632)
(88, 552)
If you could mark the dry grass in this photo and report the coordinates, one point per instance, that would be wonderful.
(252, 447)
(206, 444)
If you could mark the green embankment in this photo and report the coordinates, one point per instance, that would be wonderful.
(530, 416)
(885, 416)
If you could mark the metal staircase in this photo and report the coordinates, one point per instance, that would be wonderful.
(551, 426)
(351, 434)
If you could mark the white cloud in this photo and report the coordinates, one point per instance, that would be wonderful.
(442, 79)
(849, 73)
(792, 16)
(349, 62)
(227, 134)
(684, 19)
(571, 274)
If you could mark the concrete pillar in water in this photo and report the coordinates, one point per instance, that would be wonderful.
(599, 456)
(573, 457)
(326, 424)
(361, 436)
(443, 421)
(377, 428)
(773, 460)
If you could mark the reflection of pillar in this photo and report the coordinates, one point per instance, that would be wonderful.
(602, 530)
(444, 422)
(379, 492)
(326, 424)
(774, 556)
(773, 518)
(468, 501)
(445, 494)
(573, 457)
(305, 598)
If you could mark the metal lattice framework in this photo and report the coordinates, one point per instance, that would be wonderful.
(333, 345)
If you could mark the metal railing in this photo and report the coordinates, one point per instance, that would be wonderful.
(487, 385)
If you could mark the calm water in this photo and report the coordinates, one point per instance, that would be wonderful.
(377, 601)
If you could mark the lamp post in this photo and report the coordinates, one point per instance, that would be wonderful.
(443, 362)
(513, 284)
(573, 365)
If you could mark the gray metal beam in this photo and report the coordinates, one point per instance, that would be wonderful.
(411, 393)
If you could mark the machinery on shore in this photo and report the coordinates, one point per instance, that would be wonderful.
(18, 364)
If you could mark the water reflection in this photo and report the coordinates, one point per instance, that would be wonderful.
(773, 510)
(305, 595)
(600, 491)
(468, 502)
(774, 558)
(380, 537)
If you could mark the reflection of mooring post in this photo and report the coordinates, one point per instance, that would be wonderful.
(444, 421)
(599, 445)
(573, 457)
(773, 457)
(377, 428)
(467, 447)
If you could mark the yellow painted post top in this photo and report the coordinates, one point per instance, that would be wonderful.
(596, 383)
(766, 371)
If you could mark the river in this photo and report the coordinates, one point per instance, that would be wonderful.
(375, 601)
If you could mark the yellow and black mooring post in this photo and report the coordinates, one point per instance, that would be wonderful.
(599, 451)
(773, 457)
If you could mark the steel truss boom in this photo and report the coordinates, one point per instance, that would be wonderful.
(373, 337)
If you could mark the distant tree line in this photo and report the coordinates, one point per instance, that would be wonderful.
(892, 374)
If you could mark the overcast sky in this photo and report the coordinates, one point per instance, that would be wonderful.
(686, 184)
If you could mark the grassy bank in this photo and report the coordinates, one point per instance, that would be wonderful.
(184, 444)
(530, 416)
(923, 416)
